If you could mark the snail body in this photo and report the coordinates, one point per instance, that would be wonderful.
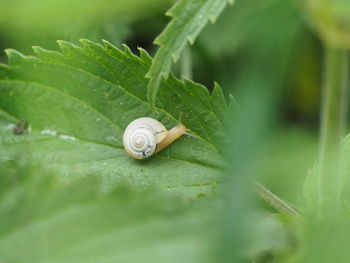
(146, 136)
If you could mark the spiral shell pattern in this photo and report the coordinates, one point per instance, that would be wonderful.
(141, 137)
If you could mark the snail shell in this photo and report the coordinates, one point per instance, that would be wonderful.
(145, 136)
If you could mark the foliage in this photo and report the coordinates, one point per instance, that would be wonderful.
(49, 221)
(70, 193)
(68, 99)
(188, 19)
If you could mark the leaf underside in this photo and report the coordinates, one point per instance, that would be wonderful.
(189, 17)
(78, 102)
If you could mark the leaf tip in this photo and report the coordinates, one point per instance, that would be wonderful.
(127, 50)
(148, 75)
(218, 92)
(216, 85)
(232, 99)
(65, 46)
(37, 49)
(169, 13)
(87, 44)
(175, 57)
(191, 39)
(11, 51)
(61, 42)
(157, 42)
(212, 19)
(145, 57)
(142, 51)
(107, 45)
(85, 41)
(106, 42)
(13, 55)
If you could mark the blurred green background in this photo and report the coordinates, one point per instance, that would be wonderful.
(266, 44)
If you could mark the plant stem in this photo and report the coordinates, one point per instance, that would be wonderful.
(333, 124)
(274, 201)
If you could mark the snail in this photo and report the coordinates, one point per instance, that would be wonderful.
(146, 136)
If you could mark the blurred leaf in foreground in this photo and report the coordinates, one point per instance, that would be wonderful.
(326, 236)
(326, 240)
(43, 220)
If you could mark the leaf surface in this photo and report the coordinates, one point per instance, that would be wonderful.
(78, 102)
(188, 19)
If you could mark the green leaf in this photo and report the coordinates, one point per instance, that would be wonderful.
(78, 102)
(188, 19)
(43, 220)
